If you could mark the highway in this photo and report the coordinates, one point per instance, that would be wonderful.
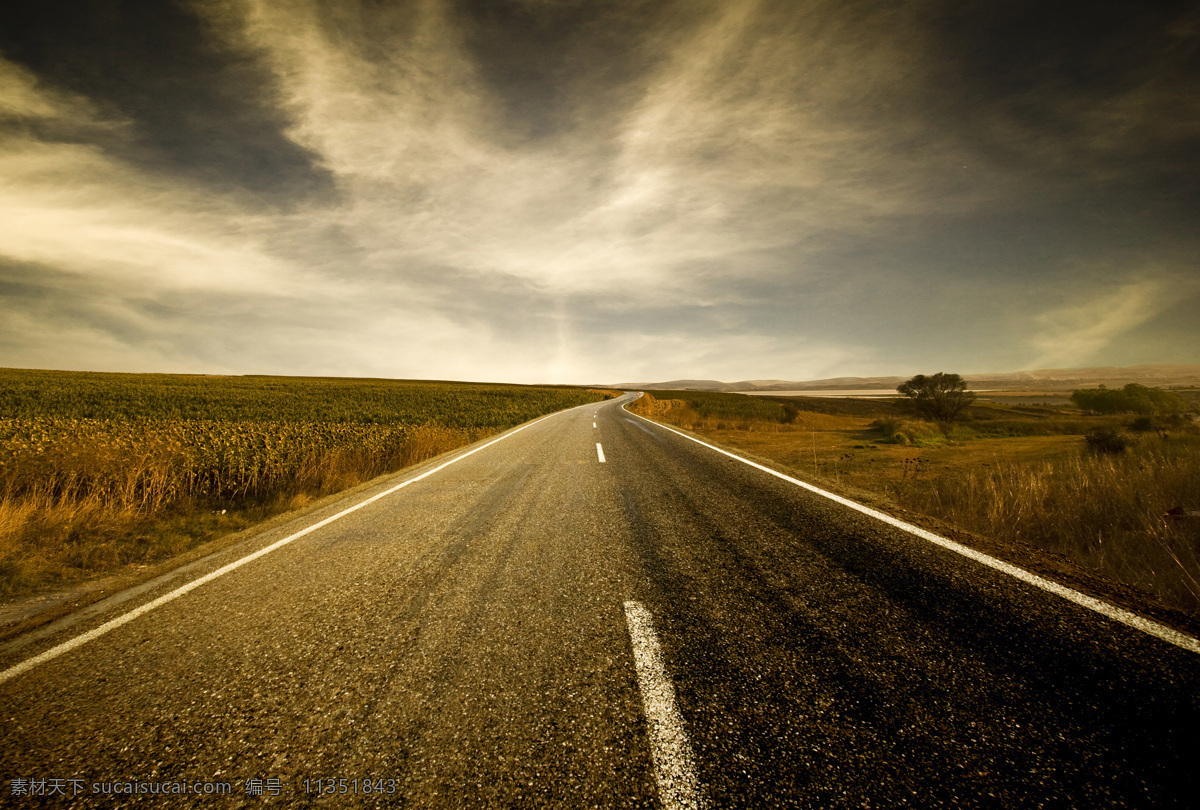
(596, 612)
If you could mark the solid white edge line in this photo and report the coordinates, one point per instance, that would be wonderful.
(125, 618)
(1148, 626)
(674, 767)
(600, 452)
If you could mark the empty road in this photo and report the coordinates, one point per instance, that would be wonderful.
(597, 612)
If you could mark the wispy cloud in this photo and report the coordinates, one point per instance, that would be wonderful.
(22, 99)
(730, 150)
(1079, 332)
(71, 206)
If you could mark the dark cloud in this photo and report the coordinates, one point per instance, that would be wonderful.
(558, 66)
(1082, 90)
(193, 106)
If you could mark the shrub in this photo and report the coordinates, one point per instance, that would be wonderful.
(899, 431)
(1162, 423)
(959, 433)
(1106, 440)
(890, 427)
(1133, 398)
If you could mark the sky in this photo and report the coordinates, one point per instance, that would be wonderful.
(598, 191)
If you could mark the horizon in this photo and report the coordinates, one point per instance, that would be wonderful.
(560, 192)
(1113, 373)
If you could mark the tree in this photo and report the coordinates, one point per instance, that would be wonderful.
(1133, 398)
(940, 397)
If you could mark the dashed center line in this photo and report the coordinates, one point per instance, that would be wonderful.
(593, 424)
(600, 452)
(674, 766)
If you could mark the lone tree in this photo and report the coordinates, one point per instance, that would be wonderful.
(940, 397)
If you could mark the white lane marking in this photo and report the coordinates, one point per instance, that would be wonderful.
(600, 452)
(593, 424)
(674, 767)
(95, 633)
(1147, 626)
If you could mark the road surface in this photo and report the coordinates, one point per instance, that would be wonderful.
(490, 636)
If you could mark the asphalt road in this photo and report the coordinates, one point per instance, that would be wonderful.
(466, 642)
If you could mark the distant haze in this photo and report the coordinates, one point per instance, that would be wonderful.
(583, 190)
(1041, 379)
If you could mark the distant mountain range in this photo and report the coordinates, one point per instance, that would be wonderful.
(1056, 378)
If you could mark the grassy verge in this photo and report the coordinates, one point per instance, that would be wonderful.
(104, 471)
(1022, 477)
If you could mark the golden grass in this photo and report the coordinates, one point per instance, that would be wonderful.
(87, 506)
(1105, 510)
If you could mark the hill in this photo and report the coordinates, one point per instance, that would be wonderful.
(1162, 375)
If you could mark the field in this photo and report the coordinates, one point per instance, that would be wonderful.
(101, 471)
(1020, 476)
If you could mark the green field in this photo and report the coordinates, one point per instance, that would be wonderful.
(99, 471)
(94, 395)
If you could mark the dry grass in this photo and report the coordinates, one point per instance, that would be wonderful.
(1105, 510)
(1024, 479)
(86, 504)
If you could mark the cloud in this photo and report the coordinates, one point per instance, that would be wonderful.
(719, 154)
(22, 99)
(1079, 332)
(187, 104)
(1070, 92)
(752, 188)
(68, 206)
(649, 356)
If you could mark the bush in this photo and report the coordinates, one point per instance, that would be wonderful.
(898, 431)
(959, 433)
(1161, 423)
(1133, 398)
(891, 428)
(1106, 440)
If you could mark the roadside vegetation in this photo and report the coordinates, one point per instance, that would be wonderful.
(1094, 487)
(100, 471)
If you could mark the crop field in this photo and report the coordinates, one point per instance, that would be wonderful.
(1020, 476)
(99, 471)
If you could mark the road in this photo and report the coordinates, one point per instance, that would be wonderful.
(469, 640)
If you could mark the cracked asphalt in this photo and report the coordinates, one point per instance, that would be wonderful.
(462, 643)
